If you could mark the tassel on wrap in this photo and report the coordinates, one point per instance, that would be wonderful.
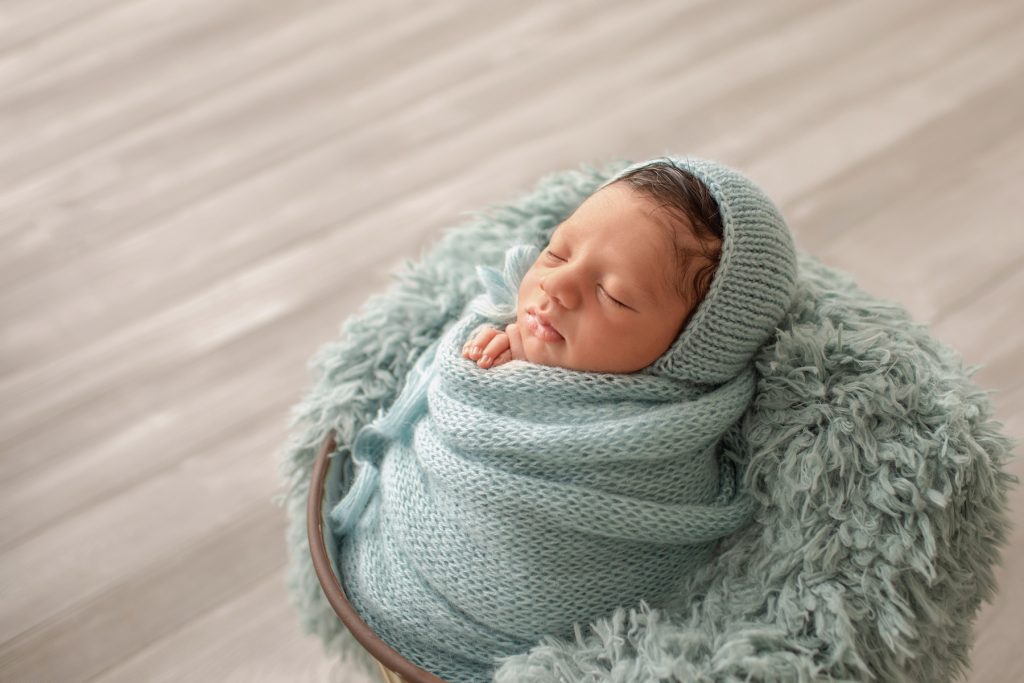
(373, 441)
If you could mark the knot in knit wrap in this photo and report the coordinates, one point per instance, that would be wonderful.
(492, 508)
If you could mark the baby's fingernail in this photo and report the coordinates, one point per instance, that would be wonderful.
(485, 360)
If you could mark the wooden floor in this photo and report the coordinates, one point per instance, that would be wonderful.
(194, 195)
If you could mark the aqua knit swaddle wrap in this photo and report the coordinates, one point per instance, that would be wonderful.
(529, 498)
(491, 508)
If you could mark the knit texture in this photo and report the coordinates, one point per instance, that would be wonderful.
(505, 492)
(753, 284)
(877, 467)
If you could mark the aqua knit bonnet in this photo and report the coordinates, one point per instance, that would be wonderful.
(751, 289)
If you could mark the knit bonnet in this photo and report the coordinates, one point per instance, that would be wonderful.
(751, 289)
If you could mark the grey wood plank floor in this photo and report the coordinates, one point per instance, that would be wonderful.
(194, 195)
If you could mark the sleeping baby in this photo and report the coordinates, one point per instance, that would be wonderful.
(571, 444)
(604, 299)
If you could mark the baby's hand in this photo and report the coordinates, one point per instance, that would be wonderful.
(490, 347)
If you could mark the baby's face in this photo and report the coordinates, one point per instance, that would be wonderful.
(600, 297)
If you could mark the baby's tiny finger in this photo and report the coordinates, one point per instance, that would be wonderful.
(483, 336)
(502, 359)
(475, 344)
(515, 341)
(496, 346)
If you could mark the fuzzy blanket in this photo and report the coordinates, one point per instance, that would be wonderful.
(877, 469)
(559, 495)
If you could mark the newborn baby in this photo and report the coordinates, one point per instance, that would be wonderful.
(496, 503)
(604, 298)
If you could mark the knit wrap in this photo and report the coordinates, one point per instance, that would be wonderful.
(494, 507)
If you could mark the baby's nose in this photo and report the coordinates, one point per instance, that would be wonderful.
(561, 289)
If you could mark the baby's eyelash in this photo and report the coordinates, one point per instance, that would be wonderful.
(616, 301)
(554, 255)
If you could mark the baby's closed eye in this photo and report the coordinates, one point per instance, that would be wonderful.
(611, 298)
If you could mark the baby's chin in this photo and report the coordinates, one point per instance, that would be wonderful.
(541, 351)
(544, 353)
(536, 351)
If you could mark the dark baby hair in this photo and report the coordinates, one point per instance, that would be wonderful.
(683, 195)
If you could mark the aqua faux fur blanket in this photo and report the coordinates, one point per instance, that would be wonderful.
(877, 469)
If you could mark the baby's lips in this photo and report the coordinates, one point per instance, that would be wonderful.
(541, 330)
